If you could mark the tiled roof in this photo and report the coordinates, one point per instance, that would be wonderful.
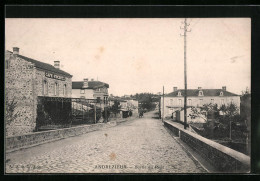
(91, 84)
(44, 66)
(206, 92)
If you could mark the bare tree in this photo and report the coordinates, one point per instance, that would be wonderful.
(10, 109)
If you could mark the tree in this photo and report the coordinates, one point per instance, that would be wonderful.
(10, 109)
(230, 114)
(223, 117)
(146, 101)
(204, 111)
(115, 109)
(245, 108)
(245, 112)
(106, 113)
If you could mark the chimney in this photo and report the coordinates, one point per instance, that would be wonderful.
(92, 79)
(57, 64)
(15, 50)
(224, 88)
(199, 88)
(85, 83)
(174, 89)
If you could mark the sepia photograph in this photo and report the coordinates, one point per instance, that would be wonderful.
(127, 95)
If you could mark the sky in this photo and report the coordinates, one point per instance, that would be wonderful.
(140, 55)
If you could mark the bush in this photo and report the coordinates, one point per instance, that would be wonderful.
(104, 114)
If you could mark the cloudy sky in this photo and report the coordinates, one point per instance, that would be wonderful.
(140, 55)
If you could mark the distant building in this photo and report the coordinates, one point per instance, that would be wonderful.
(25, 80)
(197, 97)
(90, 90)
(126, 104)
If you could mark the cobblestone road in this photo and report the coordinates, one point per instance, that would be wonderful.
(139, 146)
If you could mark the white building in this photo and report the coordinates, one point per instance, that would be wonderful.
(90, 90)
(197, 97)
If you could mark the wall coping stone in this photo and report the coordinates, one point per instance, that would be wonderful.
(60, 129)
(14, 143)
(233, 153)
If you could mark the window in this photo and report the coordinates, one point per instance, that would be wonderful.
(64, 89)
(200, 93)
(189, 102)
(98, 99)
(82, 91)
(171, 102)
(56, 89)
(222, 101)
(45, 87)
(179, 93)
(200, 102)
(221, 93)
(232, 101)
(212, 101)
(180, 102)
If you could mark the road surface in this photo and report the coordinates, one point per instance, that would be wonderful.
(142, 145)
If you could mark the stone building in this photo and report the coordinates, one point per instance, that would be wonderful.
(197, 97)
(25, 80)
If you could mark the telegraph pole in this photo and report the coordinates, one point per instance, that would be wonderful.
(163, 105)
(185, 70)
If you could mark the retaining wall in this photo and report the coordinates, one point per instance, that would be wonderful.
(221, 157)
(17, 142)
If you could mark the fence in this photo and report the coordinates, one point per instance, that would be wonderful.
(58, 112)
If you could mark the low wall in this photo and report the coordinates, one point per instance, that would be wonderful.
(221, 157)
(17, 142)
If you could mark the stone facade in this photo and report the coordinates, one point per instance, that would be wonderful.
(23, 83)
(39, 81)
(19, 87)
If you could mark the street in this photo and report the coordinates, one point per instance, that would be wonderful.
(142, 145)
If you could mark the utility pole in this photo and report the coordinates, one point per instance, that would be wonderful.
(95, 113)
(163, 105)
(105, 104)
(160, 106)
(185, 70)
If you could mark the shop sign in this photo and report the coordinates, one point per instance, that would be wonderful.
(54, 76)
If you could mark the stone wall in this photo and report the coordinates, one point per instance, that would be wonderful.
(23, 83)
(221, 157)
(19, 87)
(32, 139)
